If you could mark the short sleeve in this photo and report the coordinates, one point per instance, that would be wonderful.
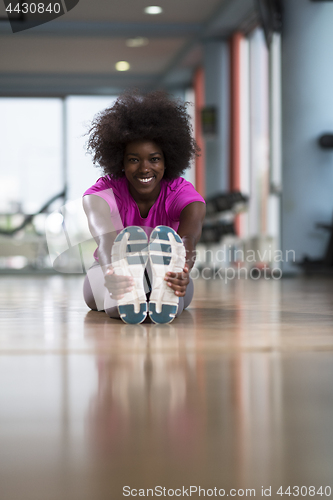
(103, 189)
(180, 193)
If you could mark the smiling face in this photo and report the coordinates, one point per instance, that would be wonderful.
(144, 169)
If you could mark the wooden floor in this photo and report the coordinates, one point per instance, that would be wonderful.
(236, 394)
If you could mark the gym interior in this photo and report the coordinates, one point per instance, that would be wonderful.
(235, 396)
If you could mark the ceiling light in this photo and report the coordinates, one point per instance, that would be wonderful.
(139, 41)
(153, 9)
(122, 66)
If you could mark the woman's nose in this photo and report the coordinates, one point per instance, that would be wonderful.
(145, 165)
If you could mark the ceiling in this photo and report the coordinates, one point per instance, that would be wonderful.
(76, 53)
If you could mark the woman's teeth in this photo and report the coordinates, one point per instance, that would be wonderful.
(146, 180)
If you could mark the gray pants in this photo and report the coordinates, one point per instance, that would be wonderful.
(98, 298)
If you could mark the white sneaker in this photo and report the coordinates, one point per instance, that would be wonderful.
(129, 258)
(167, 254)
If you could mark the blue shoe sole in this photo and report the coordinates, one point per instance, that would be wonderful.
(167, 314)
(128, 315)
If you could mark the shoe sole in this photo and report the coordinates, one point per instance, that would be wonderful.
(129, 258)
(167, 254)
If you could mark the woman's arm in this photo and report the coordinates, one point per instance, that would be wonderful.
(190, 227)
(100, 225)
(103, 231)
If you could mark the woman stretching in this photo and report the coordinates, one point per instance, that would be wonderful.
(145, 218)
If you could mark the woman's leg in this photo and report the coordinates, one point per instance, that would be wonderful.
(95, 293)
(97, 298)
(185, 301)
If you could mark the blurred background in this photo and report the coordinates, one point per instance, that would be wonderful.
(237, 391)
(259, 77)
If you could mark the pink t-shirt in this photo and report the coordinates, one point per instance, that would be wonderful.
(174, 196)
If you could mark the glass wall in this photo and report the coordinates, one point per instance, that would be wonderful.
(31, 170)
(42, 151)
(259, 142)
(81, 173)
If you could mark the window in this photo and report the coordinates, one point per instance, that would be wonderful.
(42, 150)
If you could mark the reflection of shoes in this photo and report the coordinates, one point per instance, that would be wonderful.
(167, 254)
(129, 258)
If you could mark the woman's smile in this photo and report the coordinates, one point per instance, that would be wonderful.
(146, 180)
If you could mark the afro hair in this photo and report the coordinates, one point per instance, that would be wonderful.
(153, 117)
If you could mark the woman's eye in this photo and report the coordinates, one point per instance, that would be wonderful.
(156, 158)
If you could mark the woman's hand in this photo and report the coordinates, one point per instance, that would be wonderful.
(178, 281)
(117, 285)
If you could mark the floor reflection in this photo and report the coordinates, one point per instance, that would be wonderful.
(157, 386)
(236, 393)
(168, 412)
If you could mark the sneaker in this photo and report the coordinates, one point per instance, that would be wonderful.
(129, 258)
(167, 254)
